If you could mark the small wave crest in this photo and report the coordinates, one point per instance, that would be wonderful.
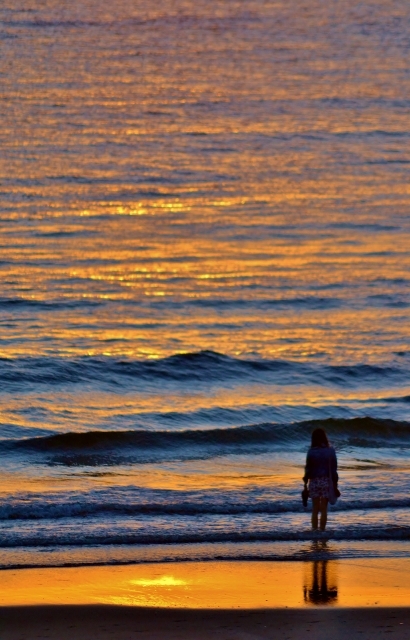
(128, 532)
(14, 304)
(143, 503)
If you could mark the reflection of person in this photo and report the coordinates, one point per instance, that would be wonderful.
(321, 462)
(321, 589)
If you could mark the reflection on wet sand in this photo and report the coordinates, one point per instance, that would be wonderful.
(320, 583)
(222, 585)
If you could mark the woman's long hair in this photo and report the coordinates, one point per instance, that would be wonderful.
(319, 438)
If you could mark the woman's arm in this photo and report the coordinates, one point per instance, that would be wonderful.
(307, 475)
(333, 466)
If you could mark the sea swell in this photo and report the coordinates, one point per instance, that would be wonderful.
(189, 368)
(361, 432)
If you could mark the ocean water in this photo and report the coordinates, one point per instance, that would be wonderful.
(204, 254)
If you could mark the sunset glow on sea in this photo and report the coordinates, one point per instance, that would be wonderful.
(204, 254)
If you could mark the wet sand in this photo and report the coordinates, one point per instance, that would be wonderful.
(338, 599)
(363, 582)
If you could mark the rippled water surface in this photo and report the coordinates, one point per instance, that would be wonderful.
(204, 253)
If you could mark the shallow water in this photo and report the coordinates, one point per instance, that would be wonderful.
(204, 240)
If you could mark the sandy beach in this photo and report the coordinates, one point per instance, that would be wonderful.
(363, 599)
(123, 623)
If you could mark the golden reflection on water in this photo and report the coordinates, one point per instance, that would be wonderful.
(82, 408)
(178, 476)
(205, 277)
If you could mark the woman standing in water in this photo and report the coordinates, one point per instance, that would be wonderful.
(321, 462)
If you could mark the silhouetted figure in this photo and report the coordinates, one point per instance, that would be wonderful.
(321, 462)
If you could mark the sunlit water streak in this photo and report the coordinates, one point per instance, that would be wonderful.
(204, 251)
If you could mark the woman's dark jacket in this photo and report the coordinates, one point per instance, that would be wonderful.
(317, 463)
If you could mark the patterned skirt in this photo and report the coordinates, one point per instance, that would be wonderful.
(319, 488)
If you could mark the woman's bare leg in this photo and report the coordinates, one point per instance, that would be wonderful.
(319, 506)
(315, 512)
(323, 513)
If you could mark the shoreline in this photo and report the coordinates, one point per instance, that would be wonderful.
(315, 548)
